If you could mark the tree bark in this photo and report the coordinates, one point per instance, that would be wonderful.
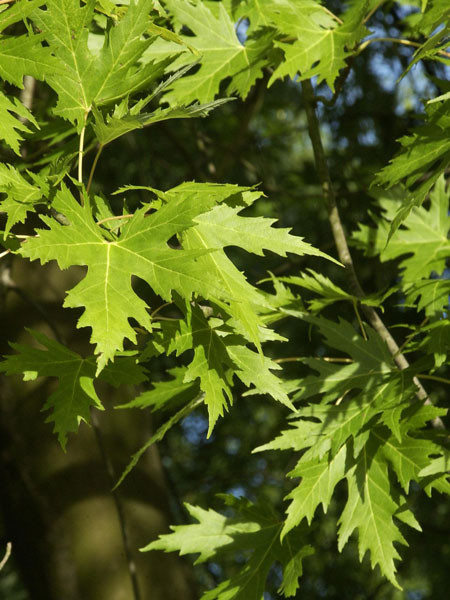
(58, 508)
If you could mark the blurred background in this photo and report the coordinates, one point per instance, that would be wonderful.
(56, 508)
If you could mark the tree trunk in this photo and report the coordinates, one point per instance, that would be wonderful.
(58, 508)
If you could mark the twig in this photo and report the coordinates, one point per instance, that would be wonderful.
(434, 378)
(360, 323)
(94, 164)
(8, 545)
(288, 359)
(340, 240)
(412, 335)
(114, 218)
(156, 311)
(80, 155)
(401, 41)
(373, 11)
(7, 1)
(332, 15)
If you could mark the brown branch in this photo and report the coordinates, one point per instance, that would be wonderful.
(340, 240)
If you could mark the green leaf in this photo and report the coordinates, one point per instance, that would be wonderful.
(218, 354)
(254, 529)
(319, 46)
(106, 292)
(422, 244)
(222, 54)
(222, 227)
(84, 78)
(424, 156)
(18, 11)
(370, 364)
(437, 341)
(165, 394)
(440, 464)
(21, 196)
(159, 435)
(333, 424)
(370, 508)
(24, 55)
(71, 402)
(115, 126)
(75, 395)
(408, 456)
(10, 125)
(318, 480)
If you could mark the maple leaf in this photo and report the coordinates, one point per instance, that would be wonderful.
(22, 54)
(71, 402)
(222, 227)
(437, 340)
(319, 478)
(141, 249)
(166, 394)
(255, 11)
(320, 45)
(218, 354)
(119, 124)
(424, 157)
(222, 54)
(440, 464)
(424, 241)
(21, 196)
(334, 425)
(83, 77)
(10, 126)
(370, 363)
(253, 529)
(19, 56)
(370, 508)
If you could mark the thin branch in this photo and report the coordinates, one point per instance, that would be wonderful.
(330, 359)
(372, 12)
(360, 323)
(340, 240)
(412, 335)
(156, 311)
(5, 253)
(115, 218)
(7, 1)
(333, 359)
(94, 164)
(434, 378)
(80, 155)
(8, 545)
(333, 16)
(401, 41)
(288, 359)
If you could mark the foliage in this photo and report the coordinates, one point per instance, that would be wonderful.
(162, 279)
